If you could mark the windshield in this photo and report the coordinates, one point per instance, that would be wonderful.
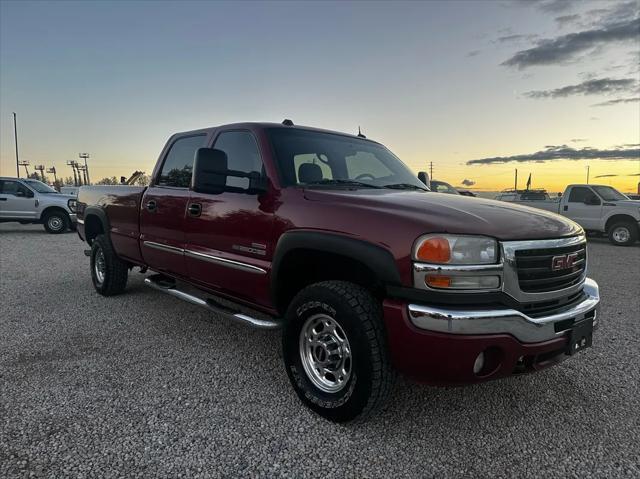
(609, 194)
(330, 160)
(39, 186)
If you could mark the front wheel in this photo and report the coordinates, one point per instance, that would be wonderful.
(335, 351)
(56, 222)
(108, 272)
(623, 233)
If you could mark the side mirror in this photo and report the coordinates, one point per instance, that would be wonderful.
(424, 177)
(592, 200)
(21, 194)
(210, 171)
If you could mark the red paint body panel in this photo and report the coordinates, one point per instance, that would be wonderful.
(164, 225)
(447, 359)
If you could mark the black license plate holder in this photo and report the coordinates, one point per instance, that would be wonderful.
(580, 336)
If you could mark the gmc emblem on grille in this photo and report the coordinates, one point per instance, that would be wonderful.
(564, 261)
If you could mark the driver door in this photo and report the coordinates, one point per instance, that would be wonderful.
(586, 215)
(16, 201)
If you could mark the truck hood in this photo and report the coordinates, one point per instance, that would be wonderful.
(443, 213)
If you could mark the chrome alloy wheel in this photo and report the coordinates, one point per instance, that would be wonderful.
(99, 266)
(621, 234)
(55, 223)
(325, 353)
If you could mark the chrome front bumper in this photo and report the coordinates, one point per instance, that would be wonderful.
(505, 321)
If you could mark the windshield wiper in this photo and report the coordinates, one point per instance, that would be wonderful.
(405, 186)
(338, 181)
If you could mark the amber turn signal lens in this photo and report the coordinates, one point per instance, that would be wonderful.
(438, 281)
(434, 250)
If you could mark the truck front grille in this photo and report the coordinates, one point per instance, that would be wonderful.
(536, 273)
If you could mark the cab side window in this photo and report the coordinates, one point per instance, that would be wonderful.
(178, 164)
(14, 188)
(579, 194)
(242, 155)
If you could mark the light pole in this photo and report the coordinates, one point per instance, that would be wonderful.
(587, 174)
(40, 168)
(72, 164)
(85, 156)
(24, 163)
(53, 171)
(15, 135)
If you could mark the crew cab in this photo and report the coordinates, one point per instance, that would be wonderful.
(332, 239)
(30, 201)
(597, 208)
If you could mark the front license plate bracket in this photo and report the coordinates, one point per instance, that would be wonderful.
(580, 336)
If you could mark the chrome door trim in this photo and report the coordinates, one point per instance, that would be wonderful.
(163, 247)
(225, 262)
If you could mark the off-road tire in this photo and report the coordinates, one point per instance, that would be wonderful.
(631, 235)
(359, 315)
(56, 222)
(115, 271)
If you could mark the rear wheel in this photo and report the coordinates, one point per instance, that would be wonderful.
(108, 272)
(623, 233)
(56, 222)
(335, 351)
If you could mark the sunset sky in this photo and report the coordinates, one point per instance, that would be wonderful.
(471, 86)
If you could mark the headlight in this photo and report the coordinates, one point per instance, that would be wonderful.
(452, 249)
(72, 205)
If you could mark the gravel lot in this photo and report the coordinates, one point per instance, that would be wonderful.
(145, 385)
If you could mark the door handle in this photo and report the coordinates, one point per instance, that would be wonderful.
(3, 199)
(565, 207)
(195, 209)
(151, 205)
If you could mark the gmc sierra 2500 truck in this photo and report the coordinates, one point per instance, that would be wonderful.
(330, 237)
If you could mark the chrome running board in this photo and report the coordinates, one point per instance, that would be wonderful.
(169, 288)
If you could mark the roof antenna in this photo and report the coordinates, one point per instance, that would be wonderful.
(287, 122)
(360, 135)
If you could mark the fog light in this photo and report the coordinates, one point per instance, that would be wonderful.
(479, 364)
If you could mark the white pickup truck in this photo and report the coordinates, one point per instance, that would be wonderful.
(597, 208)
(30, 201)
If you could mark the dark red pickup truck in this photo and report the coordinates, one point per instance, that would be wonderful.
(333, 239)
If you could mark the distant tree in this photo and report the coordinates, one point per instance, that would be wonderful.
(68, 181)
(34, 176)
(108, 181)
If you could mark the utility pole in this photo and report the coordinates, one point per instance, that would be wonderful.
(15, 135)
(587, 174)
(430, 170)
(515, 186)
(85, 156)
